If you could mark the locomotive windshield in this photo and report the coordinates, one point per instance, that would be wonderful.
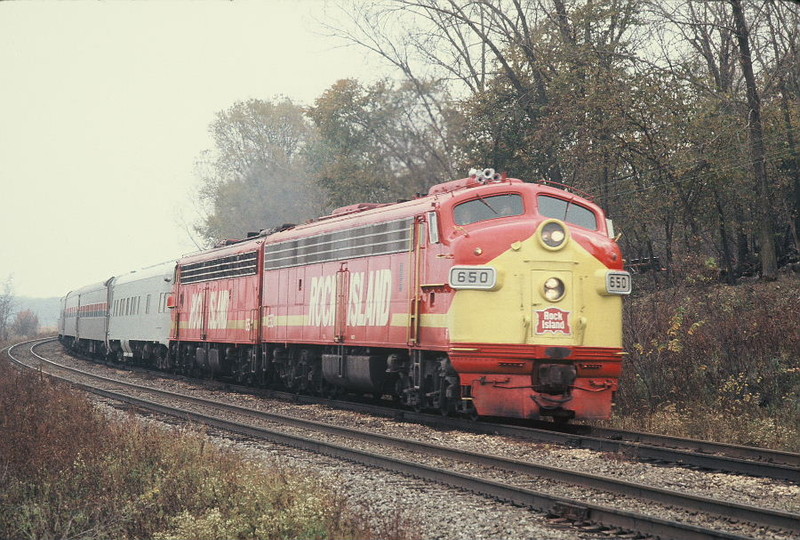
(570, 212)
(485, 208)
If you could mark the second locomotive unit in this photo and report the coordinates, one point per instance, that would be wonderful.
(489, 296)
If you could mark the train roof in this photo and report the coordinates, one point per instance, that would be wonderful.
(92, 287)
(366, 213)
(232, 248)
(156, 270)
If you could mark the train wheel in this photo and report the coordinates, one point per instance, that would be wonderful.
(162, 354)
(332, 391)
(446, 405)
(419, 401)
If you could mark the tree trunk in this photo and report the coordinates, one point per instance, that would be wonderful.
(730, 275)
(769, 263)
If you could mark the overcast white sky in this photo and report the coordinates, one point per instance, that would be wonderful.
(105, 107)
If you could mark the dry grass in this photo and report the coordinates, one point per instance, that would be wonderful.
(66, 471)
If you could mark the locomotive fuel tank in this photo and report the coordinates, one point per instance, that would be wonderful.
(363, 373)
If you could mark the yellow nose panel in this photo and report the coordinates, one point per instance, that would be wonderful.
(519, 311)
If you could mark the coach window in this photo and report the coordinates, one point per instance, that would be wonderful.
(568, 211)
(485, 208)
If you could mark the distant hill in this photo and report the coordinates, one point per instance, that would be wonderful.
(45, 308)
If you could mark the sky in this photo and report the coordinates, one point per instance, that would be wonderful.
(104, 111)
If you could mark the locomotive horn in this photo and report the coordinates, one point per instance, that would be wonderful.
(483, 175)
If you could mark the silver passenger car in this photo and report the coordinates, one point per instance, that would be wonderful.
(139, 321)
(84, 319)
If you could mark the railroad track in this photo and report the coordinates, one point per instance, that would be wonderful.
(692, 453)
(708, 455)
(482, 470)
(751, 461)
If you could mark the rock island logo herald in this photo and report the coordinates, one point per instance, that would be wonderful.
(368, 301)
(553, 320)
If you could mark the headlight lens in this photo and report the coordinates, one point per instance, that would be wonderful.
(554, 289)
(553, 234)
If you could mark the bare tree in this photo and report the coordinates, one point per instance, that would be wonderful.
(576, 91)
(6, 306)
(785, 48)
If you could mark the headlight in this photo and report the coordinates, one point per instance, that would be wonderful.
(554, 289)
(553, 235)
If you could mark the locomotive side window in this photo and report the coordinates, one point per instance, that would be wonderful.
(365, 241)
(576, 214)
(231, 266)
(485, 208)
(433, 227)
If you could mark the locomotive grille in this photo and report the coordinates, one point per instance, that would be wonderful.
(366, 241)
(242, 264)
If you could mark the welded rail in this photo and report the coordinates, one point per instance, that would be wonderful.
(751, 461)
(771, 518)
(750, 453)
(760, 462)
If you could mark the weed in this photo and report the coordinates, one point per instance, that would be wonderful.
(715, 362)
(67, 471)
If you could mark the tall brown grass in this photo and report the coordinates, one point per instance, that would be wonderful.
(66, 471)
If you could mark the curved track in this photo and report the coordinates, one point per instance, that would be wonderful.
(751, 461)
(218, 414)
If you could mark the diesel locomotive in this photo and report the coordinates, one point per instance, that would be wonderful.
(488, 296)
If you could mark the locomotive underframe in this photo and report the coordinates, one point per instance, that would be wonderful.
(416, 378)
(419, 379)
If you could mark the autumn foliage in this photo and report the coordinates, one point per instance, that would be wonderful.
(715, 362)
(67, 471)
